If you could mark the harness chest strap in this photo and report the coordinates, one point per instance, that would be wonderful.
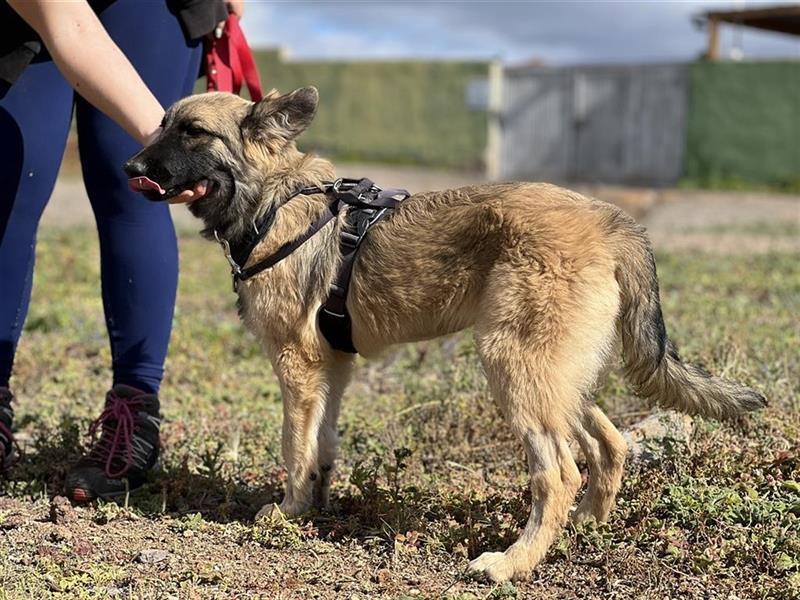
(333, 318)
(366, 205)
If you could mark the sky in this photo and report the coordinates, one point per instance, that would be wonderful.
(558, 33)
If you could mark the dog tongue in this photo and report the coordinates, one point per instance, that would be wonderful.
(141, 184)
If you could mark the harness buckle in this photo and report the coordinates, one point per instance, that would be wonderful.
(377, 216)
(349, 239)
(351, 192)
(236, 270)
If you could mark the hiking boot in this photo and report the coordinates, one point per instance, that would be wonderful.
(8, 446)
(127, 449)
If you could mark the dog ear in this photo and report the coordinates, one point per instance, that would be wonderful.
(281, 118)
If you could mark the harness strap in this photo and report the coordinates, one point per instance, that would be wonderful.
(326, 217)
(241, 250)
(365, 204)
(369, 207)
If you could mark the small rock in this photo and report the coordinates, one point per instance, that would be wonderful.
(382, 576)
(82, 547)
(60, 533)
(12, 521)
(61, 511)
(152, 556)
(653, 439)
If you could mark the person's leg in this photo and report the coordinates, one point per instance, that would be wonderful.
(139, 254)
(34, 121)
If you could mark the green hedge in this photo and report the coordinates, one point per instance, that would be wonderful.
(744, 125)
(401, 111)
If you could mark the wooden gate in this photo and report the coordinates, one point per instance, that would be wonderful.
(622, 124)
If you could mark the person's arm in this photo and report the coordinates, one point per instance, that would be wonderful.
(93, 64)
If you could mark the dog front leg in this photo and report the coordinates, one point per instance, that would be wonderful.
(327, 442)
(304, 388)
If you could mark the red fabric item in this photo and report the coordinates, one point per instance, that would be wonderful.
(229, 61)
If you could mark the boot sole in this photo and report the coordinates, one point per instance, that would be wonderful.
(84, 496)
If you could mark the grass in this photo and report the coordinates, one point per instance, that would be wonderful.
(429, 477)
(739, 184)
(774, 229)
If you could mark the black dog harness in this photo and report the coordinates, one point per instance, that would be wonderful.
(365, 204)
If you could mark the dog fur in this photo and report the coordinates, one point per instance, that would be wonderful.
(548, 280)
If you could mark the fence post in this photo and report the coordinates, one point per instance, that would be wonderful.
(712, 52)
(495, 121)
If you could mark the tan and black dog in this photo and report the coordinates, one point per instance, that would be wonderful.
(548, 280)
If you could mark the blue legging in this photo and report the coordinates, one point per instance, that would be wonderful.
(138, 247)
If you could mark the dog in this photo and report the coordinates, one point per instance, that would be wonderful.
(549, 280)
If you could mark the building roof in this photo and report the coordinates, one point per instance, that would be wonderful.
(782, 19)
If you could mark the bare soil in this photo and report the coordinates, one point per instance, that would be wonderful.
(678, 220)
(429, 475)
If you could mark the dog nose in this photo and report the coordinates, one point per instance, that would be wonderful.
(134, 167)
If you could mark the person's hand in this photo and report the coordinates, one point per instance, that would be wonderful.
(198, 190)
(235, 7)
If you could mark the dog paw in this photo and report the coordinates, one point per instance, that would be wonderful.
(495, 565)
(321, 503)
(580, 515)
(291, 510)
(270, 513)
(587, 512)
(320, 497)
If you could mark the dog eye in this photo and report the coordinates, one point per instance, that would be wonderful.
(194, 131)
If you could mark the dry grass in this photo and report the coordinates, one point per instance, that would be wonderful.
(424, 484)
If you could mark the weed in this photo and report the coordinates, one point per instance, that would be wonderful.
(429, 475)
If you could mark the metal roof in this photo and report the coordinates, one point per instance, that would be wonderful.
(782, 19)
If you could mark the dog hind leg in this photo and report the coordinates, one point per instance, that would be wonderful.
(544, 338)
(554, 481)
(536, 410)
(605, 451)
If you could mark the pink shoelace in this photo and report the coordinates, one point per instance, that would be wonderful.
(113, 442)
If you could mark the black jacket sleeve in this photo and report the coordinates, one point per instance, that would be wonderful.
(198, 17)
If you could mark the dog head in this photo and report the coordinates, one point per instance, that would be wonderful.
(222, 147)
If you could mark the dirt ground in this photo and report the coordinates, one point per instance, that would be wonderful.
(421, 489)
(678, 220)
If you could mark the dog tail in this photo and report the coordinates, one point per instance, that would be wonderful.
(651, 361)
